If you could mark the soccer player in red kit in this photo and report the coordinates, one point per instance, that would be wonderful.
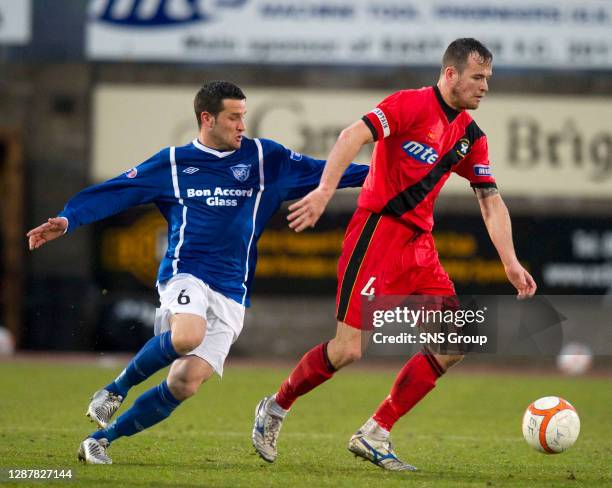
(422, 136)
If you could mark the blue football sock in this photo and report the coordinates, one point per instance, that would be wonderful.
(150, 408)
(156, 354)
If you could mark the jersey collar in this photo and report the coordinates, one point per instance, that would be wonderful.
(450, 112)
(210, 150)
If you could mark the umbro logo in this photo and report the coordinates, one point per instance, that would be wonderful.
(191, 170)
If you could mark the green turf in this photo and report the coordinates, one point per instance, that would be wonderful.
(465, 433)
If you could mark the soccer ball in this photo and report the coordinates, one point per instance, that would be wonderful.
(574, 359)
(7, 344)
(551, 425)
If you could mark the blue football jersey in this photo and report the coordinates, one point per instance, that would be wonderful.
(216, 204)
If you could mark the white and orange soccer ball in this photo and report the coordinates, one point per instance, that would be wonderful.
(551, 425)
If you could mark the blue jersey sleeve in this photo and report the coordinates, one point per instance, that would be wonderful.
(145, 183)
(299, 174)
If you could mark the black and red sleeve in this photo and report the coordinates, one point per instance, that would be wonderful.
(391, 115)
(476, 167)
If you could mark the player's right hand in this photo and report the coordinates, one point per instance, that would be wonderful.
(51, 229)
(307, 211)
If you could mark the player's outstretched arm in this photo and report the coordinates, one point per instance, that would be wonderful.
(497, 219)
(306, 212)
(50, 230)
(140, 185)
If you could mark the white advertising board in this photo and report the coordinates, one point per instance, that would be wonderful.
(15, 21)
(570, 34)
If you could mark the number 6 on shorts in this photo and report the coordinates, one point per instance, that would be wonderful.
(183, 299)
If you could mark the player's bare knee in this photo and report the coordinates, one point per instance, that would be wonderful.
(448, 360)
(184, 385)
(346, 347)
(184, 343)
(183, 389)
(343, 353)
(187, 375)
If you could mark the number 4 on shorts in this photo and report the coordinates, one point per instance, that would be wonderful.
(368, 289)
(183, 299)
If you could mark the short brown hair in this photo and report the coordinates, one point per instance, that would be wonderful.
(210, 97)
(458, 52)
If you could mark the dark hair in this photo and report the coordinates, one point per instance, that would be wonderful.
(458, 52)
(210, 97)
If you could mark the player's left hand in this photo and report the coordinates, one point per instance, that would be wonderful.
(521, 280)
(307, 211)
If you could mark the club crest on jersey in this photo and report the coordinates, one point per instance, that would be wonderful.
(482, 170)
(421, 152)
(131, 173)
(462, 147)
(241, 171)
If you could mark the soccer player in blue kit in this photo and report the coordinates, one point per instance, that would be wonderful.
(217, 193)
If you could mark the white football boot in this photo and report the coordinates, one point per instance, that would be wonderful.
(369, 444)
(92, 451)
(103, 406)
(265, 430)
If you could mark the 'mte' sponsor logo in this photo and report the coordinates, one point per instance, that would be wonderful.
(482, 170)
(421, 152)
(159, 13)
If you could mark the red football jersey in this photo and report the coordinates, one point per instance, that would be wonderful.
(420, 141)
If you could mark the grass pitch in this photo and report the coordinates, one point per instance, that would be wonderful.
(467, 432)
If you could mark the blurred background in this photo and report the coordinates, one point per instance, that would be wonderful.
(89, 89)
